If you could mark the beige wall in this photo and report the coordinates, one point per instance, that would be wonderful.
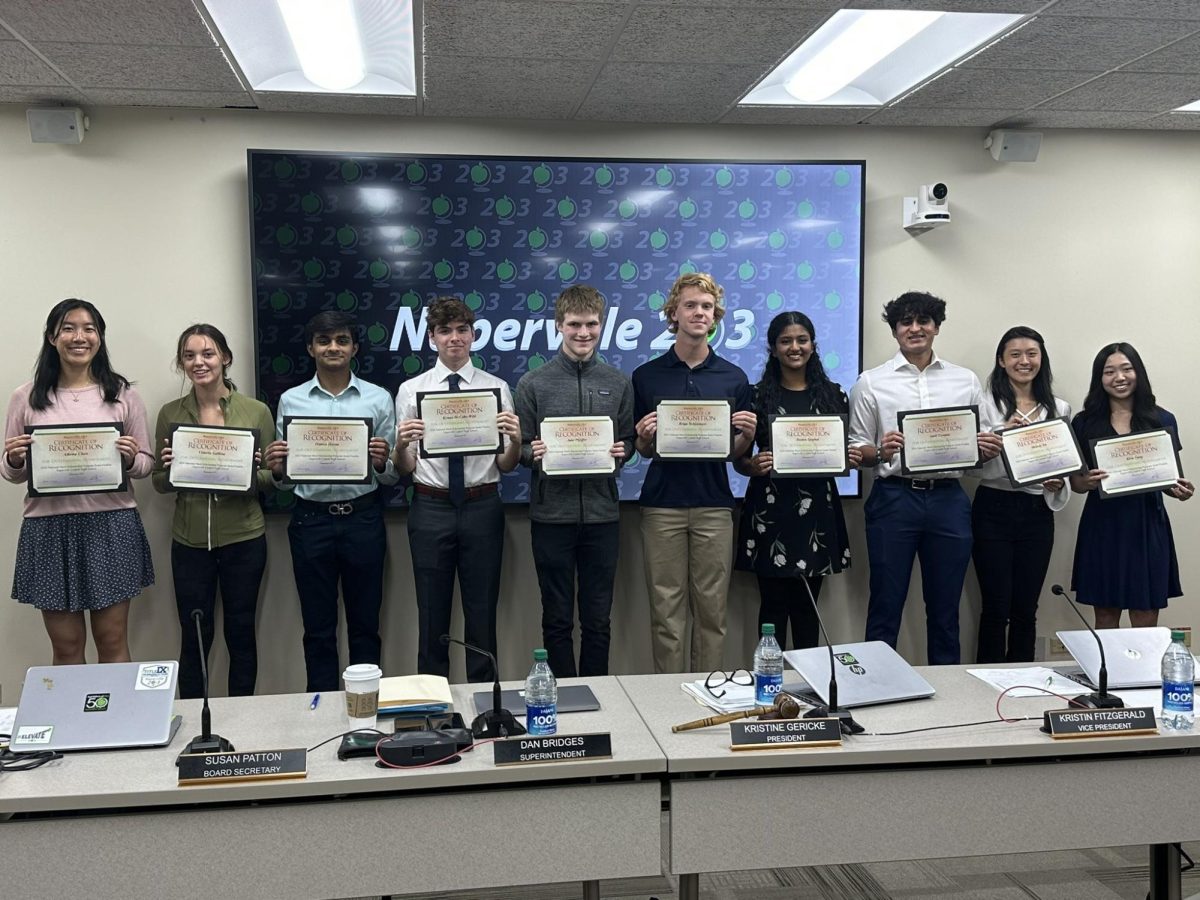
(1095, 242)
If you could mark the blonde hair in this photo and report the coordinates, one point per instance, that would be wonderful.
(701, 280)
(579, 298)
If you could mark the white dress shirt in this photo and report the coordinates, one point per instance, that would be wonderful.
(991, 473)
(435, 473)
(882, 392)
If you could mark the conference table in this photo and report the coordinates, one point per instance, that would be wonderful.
(117, 823)
(985, 789)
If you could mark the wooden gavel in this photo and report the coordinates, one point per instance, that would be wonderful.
(784, 707)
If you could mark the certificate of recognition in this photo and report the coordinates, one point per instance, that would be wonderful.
(459, 423)
(75, 459)
(213, 458)
(691, 428)
(809, 445)
(577, 446)
(327, 450)
(1033, 453)
(1137, 463)
(939, 440)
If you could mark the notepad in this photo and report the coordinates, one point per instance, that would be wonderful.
(414, 693)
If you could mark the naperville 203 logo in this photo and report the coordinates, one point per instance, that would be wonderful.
(95, 703)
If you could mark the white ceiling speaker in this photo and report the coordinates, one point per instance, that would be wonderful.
(56, 125)
(1014, 146)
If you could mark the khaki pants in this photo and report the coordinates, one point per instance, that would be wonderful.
(689, 554)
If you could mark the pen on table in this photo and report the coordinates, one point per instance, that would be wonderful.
(315, 702)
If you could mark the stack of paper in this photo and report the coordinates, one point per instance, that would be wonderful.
(414, 694)
(734, 697)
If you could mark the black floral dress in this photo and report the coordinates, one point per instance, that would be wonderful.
(792, 527)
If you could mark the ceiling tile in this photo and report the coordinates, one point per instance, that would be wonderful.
(159, 68)
(173, 22)
(797, 115)
(630, 91)
(1182, 56)
(964, 88)
(1129, 9)
(521, 29)
(942, 117)
(183, 99)
(1131, 91)
(1007, 6)
(362, 104)
(41, 96)
(1075, 44)
(684, 34)
(1058, 118)
(1175, 122)
(20, 65)
(521, 88)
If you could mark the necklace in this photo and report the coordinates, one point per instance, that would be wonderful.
(76, 392)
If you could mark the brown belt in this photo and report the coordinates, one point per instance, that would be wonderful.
(471, 493)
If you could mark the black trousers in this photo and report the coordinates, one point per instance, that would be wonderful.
(197, 572)
(328, 550)
(563, 552)
(467, 541)
(784, 600)
(1014, 535)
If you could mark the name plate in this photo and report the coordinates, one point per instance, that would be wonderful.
(255, 765)
(782, 733)
(1076, 723)
(552, 748)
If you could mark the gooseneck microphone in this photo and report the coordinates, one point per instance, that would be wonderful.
(844, 716)
(206, 741)
(497, 722)
(1101, 699)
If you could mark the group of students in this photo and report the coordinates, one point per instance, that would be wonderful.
(88, 552)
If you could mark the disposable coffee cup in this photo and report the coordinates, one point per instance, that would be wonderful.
(362, 694)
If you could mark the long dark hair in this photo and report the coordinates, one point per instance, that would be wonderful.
(213, 333)
(48, 366)
(1001, 387)
(826, 396)
(1145, 408)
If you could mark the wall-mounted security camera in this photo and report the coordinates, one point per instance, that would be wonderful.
(929, 209)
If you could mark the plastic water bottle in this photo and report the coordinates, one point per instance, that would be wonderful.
(768, 667)
(1178, 675)
(541, 697)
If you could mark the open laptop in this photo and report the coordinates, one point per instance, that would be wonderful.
(100, 706)
(1134, 655)
(571, 698)
(868, 672)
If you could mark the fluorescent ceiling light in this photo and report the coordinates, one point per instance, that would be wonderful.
(320, 46)
(1193, 107)
(868, 57)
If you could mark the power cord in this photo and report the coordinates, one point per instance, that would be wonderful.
(23, 762)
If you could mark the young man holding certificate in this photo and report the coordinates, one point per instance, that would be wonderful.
(693, 412)
(915, 507)
(334, 435)
(457, 433)
(576, 431)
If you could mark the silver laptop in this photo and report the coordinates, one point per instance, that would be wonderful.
(571, 698)
(1134, 655)
(868, 672)
(96, 707)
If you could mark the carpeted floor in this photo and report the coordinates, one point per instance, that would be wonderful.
(1109, 873)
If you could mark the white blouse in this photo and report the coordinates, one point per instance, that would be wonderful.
(991, 474)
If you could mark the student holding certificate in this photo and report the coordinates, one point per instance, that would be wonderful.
(923, 514)
(456, 523)
(1124, 551)
(1013, 527)
(687, 506)
(218, 537)
(82, 546)
(576, 416)
(792, 527)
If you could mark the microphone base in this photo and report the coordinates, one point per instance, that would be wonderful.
(214, 743)
(1096, 701)
(496, 723)
(844, 717)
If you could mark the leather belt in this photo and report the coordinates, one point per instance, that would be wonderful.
(339, 507)
(921, 484)
(471, 493)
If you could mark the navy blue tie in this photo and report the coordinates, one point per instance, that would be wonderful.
(458, 478)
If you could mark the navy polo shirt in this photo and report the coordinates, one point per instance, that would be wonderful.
(681, 483)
